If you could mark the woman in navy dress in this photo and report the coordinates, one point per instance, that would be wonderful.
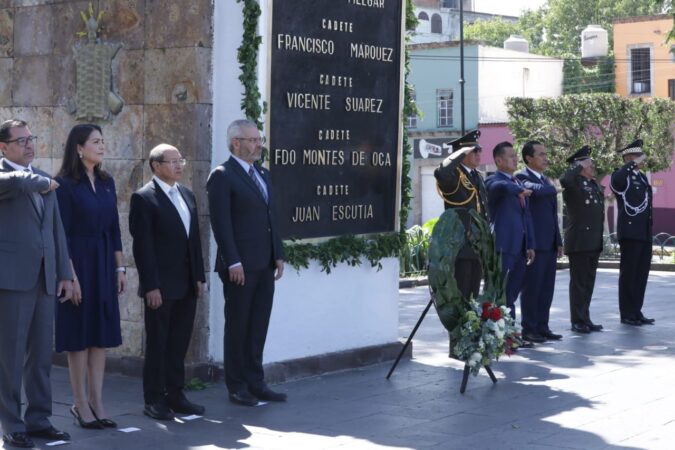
(90, 322)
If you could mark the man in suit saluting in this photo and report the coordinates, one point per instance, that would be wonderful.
(510, 221)
(537, 294)
(34, 268)
(248, 261)
(167, 249)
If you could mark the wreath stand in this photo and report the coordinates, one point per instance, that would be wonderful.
(483, 243)
(467, 369)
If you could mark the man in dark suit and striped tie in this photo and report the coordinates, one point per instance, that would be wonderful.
(537, 294)
(248, 261)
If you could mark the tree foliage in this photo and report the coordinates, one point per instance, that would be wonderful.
(606, 122)
(578, 79)
(565, 19)
(555, 28)
(493, 32)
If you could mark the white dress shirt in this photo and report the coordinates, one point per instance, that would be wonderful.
(186, 211)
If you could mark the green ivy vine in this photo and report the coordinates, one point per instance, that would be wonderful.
(247, 55)
(349, 249)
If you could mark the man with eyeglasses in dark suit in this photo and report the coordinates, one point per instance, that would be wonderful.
(249, 260)
(167, 248)
(34, 269)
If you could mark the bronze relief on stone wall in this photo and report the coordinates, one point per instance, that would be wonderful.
(95, 99)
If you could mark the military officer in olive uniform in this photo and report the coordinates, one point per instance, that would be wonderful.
(583, 199)
(461, 187)
(634, 231)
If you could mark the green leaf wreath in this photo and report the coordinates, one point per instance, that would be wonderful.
(481, 329)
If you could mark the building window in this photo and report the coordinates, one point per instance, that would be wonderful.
(423, 16)
(450, 4)
(640, 70)
(411, 121)
(444, 105)
(671, 89)
(436, 24)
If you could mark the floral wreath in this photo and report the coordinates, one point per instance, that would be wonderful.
(481, 329)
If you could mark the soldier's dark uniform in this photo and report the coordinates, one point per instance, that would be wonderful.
(583, 200)
(634, 231)
(463, 191)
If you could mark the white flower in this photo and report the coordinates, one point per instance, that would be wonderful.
(475, 358)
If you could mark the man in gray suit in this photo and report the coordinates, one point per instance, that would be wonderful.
(34, 268)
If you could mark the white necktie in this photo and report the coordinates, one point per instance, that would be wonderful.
(182, 211)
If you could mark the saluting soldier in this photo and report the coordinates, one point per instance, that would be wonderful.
(461, 187)
(583, 199)
(634, 231)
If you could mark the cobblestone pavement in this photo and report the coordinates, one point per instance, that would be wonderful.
(604, 390)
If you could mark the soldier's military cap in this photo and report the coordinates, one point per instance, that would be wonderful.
(634, 148)
(581, 154)
(468, 140)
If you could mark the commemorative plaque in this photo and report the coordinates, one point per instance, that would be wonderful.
(334, 115)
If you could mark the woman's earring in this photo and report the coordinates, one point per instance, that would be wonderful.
(80, 155)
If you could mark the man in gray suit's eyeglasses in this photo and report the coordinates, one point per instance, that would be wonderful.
(34, 268)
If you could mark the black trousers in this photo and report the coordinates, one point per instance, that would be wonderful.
(468, 273)
(168, 332)
(583, 267)
(636, 260)
(247, 317)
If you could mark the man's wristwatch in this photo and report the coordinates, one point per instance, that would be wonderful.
(121, 269)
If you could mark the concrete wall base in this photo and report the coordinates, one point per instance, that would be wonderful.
(277, 372)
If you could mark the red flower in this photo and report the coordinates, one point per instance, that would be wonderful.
(486, 314)
(486, 305)
(495, 314)
(508, 346)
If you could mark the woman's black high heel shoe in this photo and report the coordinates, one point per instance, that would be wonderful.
(93, 425)
(107, 423)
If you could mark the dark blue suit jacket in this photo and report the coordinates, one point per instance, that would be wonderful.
(243, 224)
(544, 210)
(511, 223)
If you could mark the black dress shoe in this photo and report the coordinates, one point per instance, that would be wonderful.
(243, 398)
(551, 336)
(594, 326)
(633, 322)
(646, 321)
(49, 433)
(181, 405)
(18, 439)
(534, 337)
(158, 411)
(519, 343)
(581, 328)
(268, 395)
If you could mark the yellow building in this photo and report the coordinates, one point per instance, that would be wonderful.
(645, 62)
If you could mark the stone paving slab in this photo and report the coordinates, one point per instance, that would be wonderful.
(608, 390)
